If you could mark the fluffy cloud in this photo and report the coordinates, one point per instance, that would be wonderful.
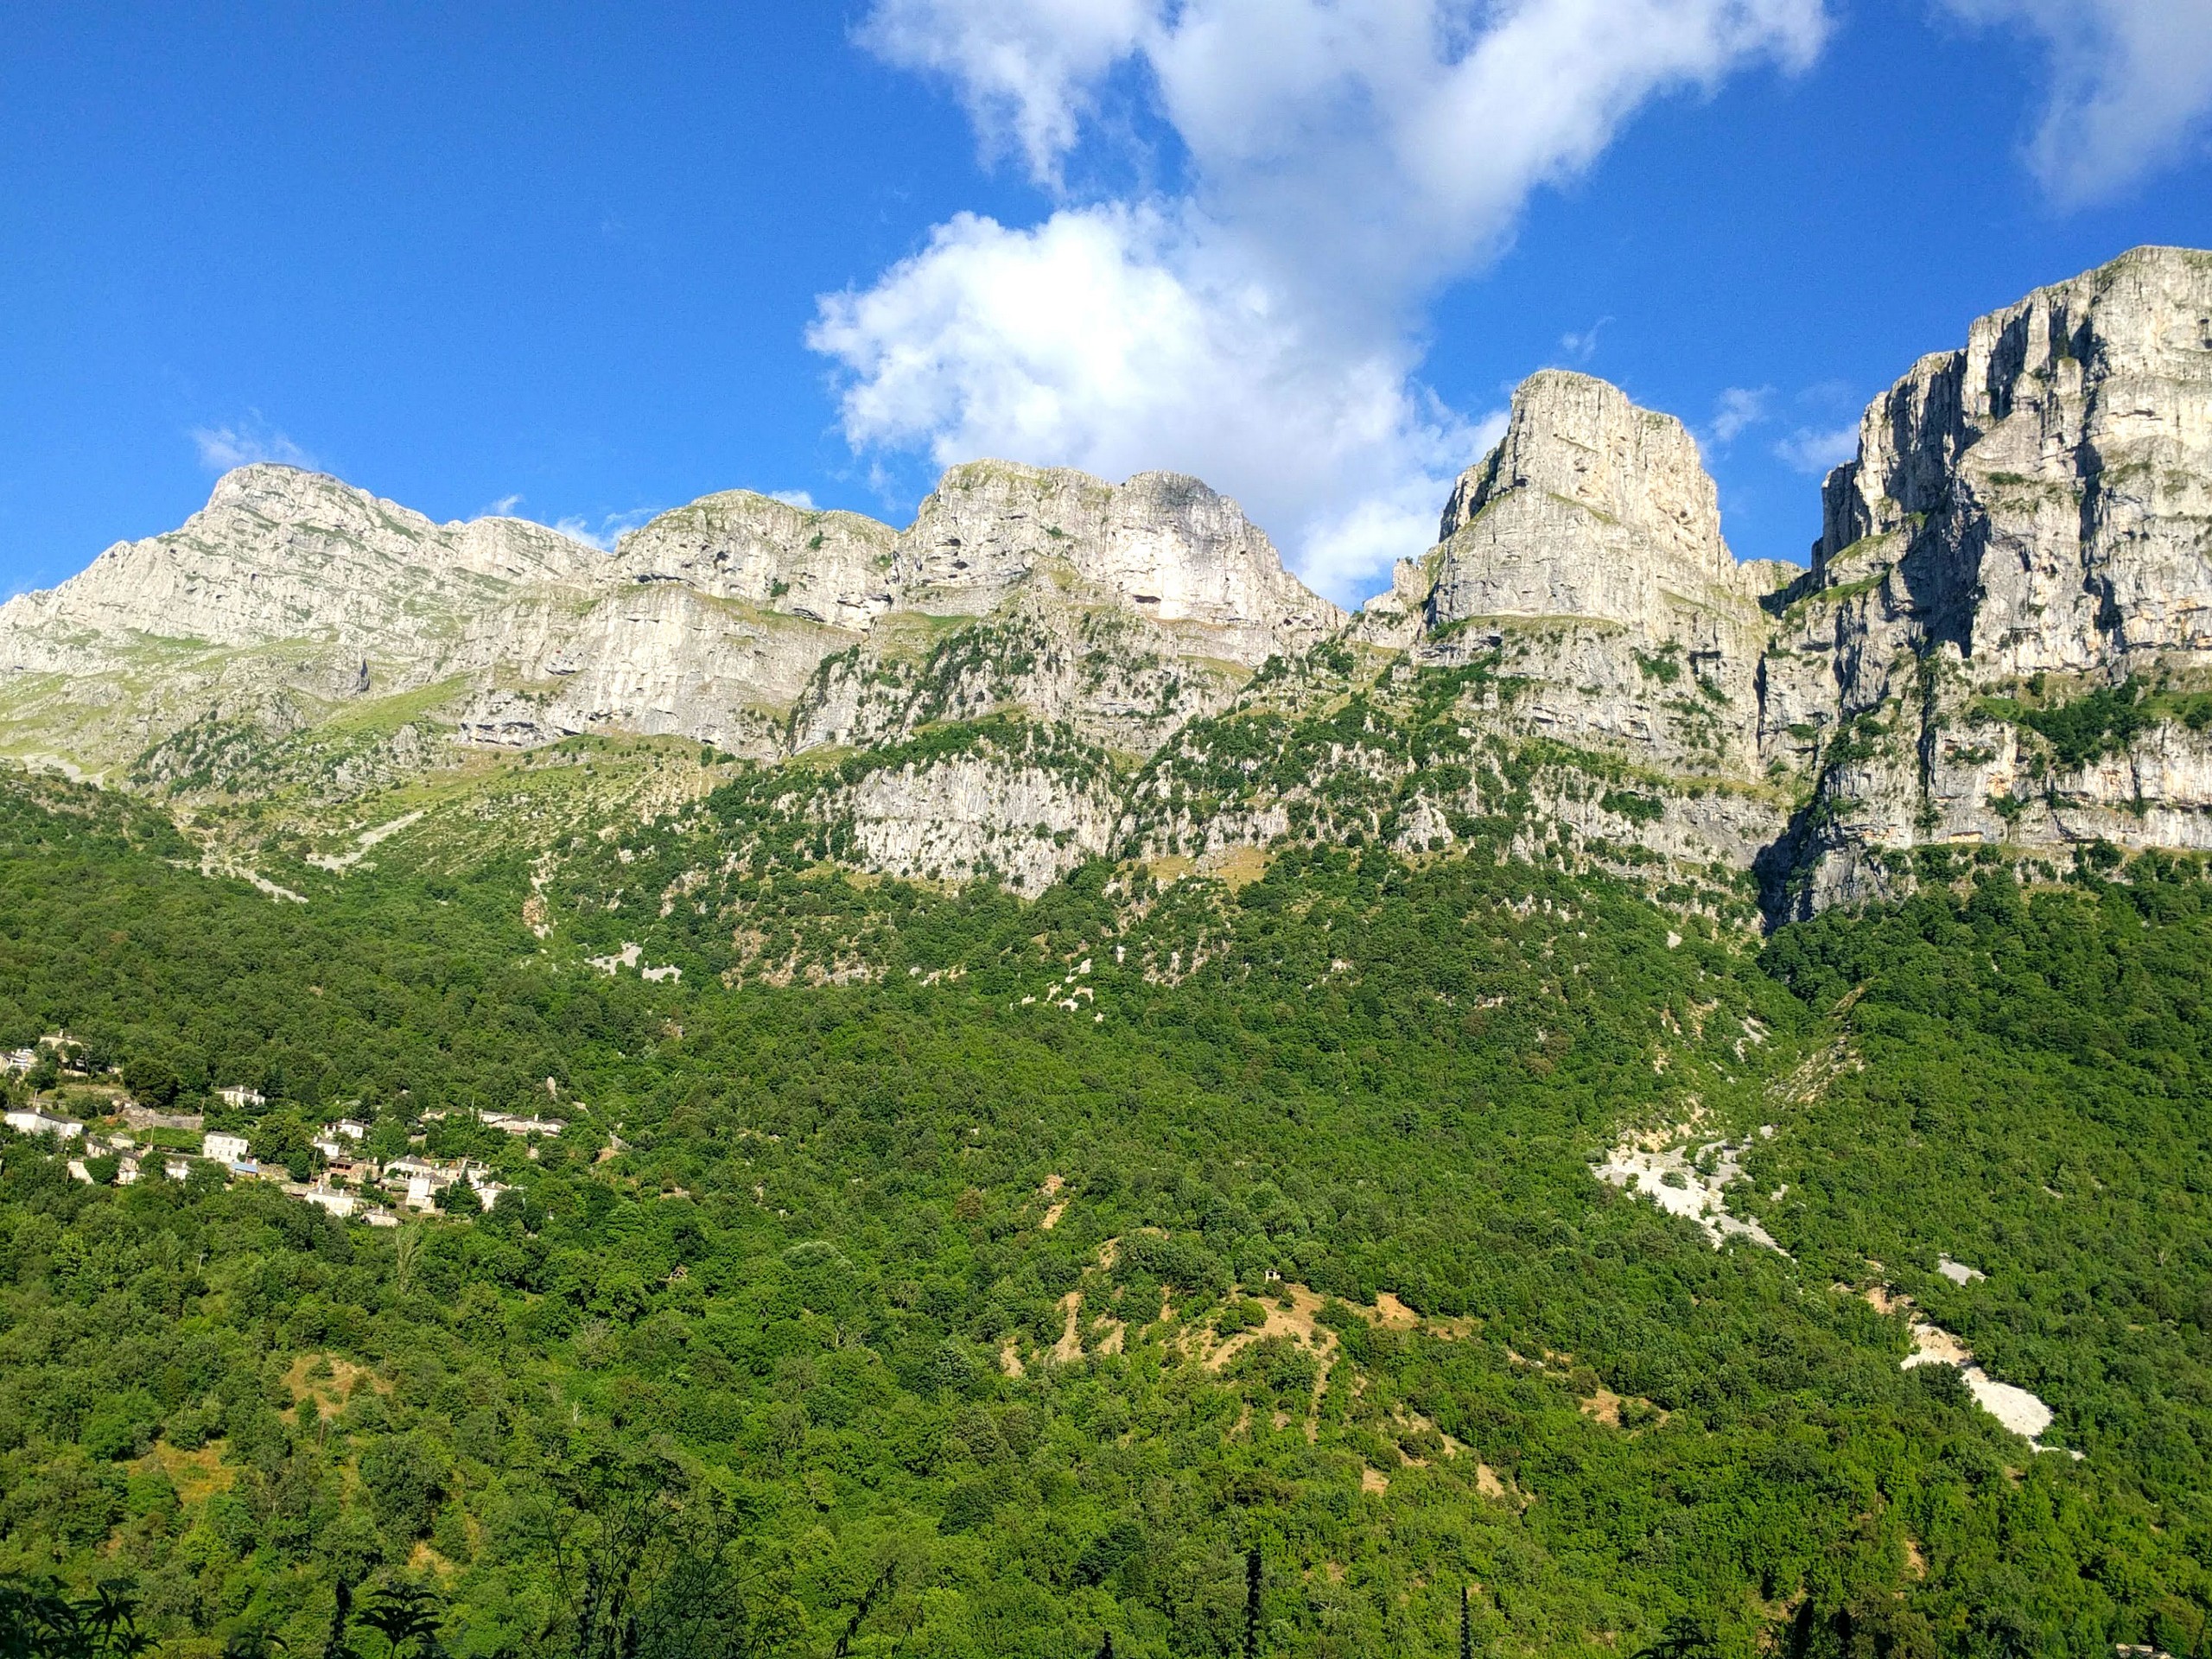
(1739, 409)
(1581, 345)
(2131, 85)
(609, 529)
(1261, 326)
(1811, 450)
(1025, 72)
(253, 439)
(1116, 339)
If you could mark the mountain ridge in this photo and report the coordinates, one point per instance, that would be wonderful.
(2019, 550)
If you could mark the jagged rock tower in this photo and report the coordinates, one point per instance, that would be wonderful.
(2006, 638)
(2003, 645)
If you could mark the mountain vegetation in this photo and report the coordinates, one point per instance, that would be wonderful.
(943, 1310)
(1027, 1086)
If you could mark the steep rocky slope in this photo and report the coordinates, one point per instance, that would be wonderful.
(302, 633)
(2005, 641)
(1583, 559)
(2006, 638)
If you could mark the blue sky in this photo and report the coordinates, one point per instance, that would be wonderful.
(581, 263)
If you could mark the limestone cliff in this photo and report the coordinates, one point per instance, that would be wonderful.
(280, 554)
(2004, 640)
(2026, 529)
(1586, 550)
(1163, 544)
(219, 658)
(831, 568)
(1583, 558)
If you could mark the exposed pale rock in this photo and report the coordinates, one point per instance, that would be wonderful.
(282, 555)
(1111, 674)
(664, 659)
(1579, 468)
(951, 818)
(832, 568)
(2030, 517)
(1162, 543)
(1587, 548)
(2037, 504)
(2049, 486)
(708, 622)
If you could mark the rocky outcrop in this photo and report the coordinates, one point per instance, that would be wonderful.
(2027, 525)
(207, 660)
(281, 555)
(1582, 561)
(2005, 641)
(708, 622)
(1162, 544)
(1585, 552)
(829, 567)
(954, 818)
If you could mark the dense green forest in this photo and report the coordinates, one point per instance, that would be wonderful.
(1012, 1290)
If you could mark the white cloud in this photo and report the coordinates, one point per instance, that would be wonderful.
(1739, 409)
(1260, 328)
(1583, 345)
(1817, 452)
(1025, 72)
(252, 439)
(2131, 87)
(802, 500)
(1114, 339)
(502, 508)
(609, 529)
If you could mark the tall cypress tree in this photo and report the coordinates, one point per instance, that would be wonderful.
(1252, 1603)
(1466, 1627)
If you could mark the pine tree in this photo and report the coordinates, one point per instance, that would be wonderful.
(1252, 1603)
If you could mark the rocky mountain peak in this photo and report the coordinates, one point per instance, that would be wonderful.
(1580, 441)
(1162, 543)
(1589, 506)
(832, 568)
(2006, 639)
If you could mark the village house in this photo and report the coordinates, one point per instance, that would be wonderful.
(240, 1095)
(225, 1148)
(31, 1123)
(336, 1199)
(423, 1180)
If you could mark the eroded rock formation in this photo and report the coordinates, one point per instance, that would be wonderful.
(2004, 640)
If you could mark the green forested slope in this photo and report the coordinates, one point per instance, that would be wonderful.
(746, 1383)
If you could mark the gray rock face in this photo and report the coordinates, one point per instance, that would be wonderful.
(1586, 550)
(202, 658)
(2046, 493)
(831, 568)
(2005, 640)
(1583, 557)
(950, 819)
(1166, 545)
(278, 555)
(2028, 523)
